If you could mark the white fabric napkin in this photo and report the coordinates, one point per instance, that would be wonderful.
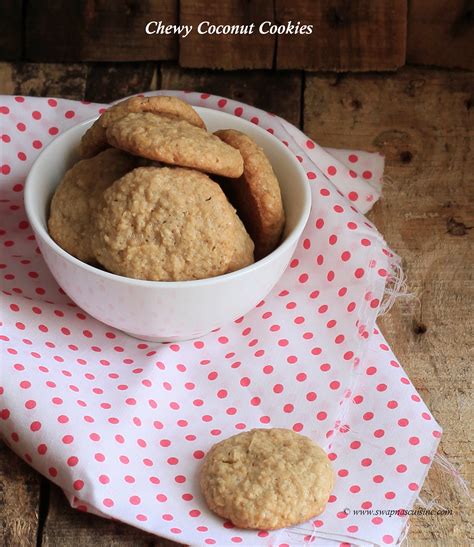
(122, 425)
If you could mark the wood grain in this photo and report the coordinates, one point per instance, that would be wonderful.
(54, 30)
(19, 500)
(278, 92)
(11, 30)
(98, 30)
(441, 33)
(47, 80)
(65, 526)
(232, 51)
(108, 82)
(430, 179)
(359, 35)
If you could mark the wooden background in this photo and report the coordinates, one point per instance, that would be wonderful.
(420, 118)
(355, 35)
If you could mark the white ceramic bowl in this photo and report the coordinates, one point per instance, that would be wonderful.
(166, 311)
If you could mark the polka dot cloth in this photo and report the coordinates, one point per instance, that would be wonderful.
(122, 425)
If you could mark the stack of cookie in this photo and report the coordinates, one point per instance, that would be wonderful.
(142, 202)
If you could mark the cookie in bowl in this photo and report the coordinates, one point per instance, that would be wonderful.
(75, 198)
(169, 224)
(256, 194)
(94, 139)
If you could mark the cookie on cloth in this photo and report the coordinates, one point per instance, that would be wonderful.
(94, 140)
(266, 479)
(174, 142)
(76, 196)
(167, 224)
(256, 194)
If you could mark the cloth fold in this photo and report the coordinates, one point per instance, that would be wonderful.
(122, 425)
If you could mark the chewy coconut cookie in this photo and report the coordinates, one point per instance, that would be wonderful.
(76, 196)
(267, 479)
(168, 224)
(94, 140)
(175, 142)
(256, 194)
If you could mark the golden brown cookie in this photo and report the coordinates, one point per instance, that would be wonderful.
(94, 140)
(166, 224)
(256, 194)
(76, 196)
(243, 249)
(267, 479)
(175, 142)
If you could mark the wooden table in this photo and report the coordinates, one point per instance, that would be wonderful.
(423, 121)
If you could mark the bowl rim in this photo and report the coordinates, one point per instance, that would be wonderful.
(290, 240)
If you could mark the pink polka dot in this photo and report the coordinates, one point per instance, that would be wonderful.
(353, 158)
(332, 170)
(78, 485)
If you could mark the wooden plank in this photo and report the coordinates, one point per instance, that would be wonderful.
(98, 30)
(67, 81)
(65, 526)
(228, 51)
(115, 30)
(276, 92)
(100, 82)
(19, 500)
(430, 164)
(54, 30)
(11, 29)
(348, 35)
(107, 82)
(7, 86)
(441, 33)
